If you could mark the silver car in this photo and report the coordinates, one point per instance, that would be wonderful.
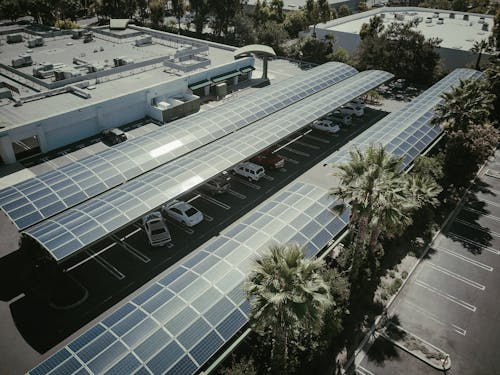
(182, 212)
(156, 229)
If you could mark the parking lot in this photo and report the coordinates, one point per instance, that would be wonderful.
(124, 261)
(451, 300)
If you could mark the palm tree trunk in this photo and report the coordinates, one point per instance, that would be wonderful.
(359, 247)
(478, 61)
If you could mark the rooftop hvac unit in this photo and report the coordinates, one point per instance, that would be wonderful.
(88, 37)
(466, 17)
(484, 27)
(95, 68)
(435, 15)
(382, 15)
(22, 60)
(14, 38)
(452, 15)
(481, 20)
(144, 41)
(36, 42)
(440, 21)
(428, 20)
(76, 34)
(58, 75)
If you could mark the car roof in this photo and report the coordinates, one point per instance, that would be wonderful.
(152, 215)
(181, 205)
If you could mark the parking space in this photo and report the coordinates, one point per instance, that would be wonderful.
(451, 299)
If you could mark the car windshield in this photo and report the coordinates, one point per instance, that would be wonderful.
(191, 211)
(158, 231)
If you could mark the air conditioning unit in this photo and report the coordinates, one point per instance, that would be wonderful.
(440, 21)
(452, 15)
(14, 38)
(22, 60)
(35, 42)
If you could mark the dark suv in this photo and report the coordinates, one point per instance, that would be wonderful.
(269, 160)
(113, 136)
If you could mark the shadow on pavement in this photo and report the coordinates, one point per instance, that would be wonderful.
(382, 350)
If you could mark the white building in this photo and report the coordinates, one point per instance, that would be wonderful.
(458, 30)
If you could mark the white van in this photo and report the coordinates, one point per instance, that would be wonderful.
(252, 171)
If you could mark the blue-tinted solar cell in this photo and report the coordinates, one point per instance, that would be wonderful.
(118, 314)
(219, 311)
(231, 324)
(181, 320)
(152, 344)
(182, 281)
(126, 365)
(128, 323)
(171, 276)
(184, 366)
(50, 363)
(102, 361)
(165, 358)
(147, 294)
(139, 332)
(157, 301)
(96, 346)
(193, 333)
(68, 367)
(87, 337)
(208, 346)
(195, 259)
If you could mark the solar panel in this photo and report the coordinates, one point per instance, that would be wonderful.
(149, 332)
(71, 231)
(408, 131)
(41, 197)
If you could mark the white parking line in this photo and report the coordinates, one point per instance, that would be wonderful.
(464, 258)
(236, 194)
(362, 371)
(297, 152)
(463, 239)
(433, 317)
(247, 183)
(194, 198)
(323, 140)
(105, 264)
(445, 295)
(474, 226)
(314, 147)
(496, 204)
(215, 201)
(473, 210)
(288, 160)
(132, 250)
(457, 276)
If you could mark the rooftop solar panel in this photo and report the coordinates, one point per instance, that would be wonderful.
(408, 131)
(164, 328)
(41, 197)
(73, 230)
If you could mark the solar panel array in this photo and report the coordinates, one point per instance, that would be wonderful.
(184, 317)
(78, 227)
(408, 131)
(41, 197)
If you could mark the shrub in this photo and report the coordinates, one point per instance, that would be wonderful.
(66, 24)
(393, 288)
(404, 275)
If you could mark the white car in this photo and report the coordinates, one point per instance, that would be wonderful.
(340, 117)
(252, 171)
(156, 229)
(326, 126)
(349, 109)
(357, 103)
(182, 212)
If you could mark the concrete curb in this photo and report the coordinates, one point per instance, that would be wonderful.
(443, 367)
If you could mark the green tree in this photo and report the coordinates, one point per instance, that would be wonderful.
(459, 5)
(479, 47)
(178, 10)
(243, 366)
(11, 9)
(223, 13)
(495, 34)
(468, 103)
(289, 297)
(341, 55)
(344, 11)
(312, 12)
(324, 11)
(201, 10)
(276, 8)
(272, 34)
(362, 7)
(381, 199)
(157, 11)
(295, 22)
(312, 50)
(493, 75)
(244, 30)
(373, 28)
(401, 50)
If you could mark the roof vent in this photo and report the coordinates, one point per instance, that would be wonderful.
(452, 15)
(440, 21)
(481, 20)
(485, 27)
(435, 15)
(428, 20)
(466, 17)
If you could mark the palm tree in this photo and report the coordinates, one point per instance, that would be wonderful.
(479, 47)
(289, 297)
(382, 198)
(468, 103)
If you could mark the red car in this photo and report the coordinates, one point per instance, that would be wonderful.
(269, 160)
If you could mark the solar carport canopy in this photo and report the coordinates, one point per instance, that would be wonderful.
(408, 131)
(41, 197)
(184, 317)
(81, 226)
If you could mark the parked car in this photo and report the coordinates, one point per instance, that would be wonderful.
(249, 170)
(113, 136)
(217, 185)
(182, 212)
(357, 103)
(269, 160)
(156, 229)
(349, 109)
(326, 126)
(340, 117)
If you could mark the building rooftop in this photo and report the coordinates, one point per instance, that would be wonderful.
(93, 63)
(455, 31)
